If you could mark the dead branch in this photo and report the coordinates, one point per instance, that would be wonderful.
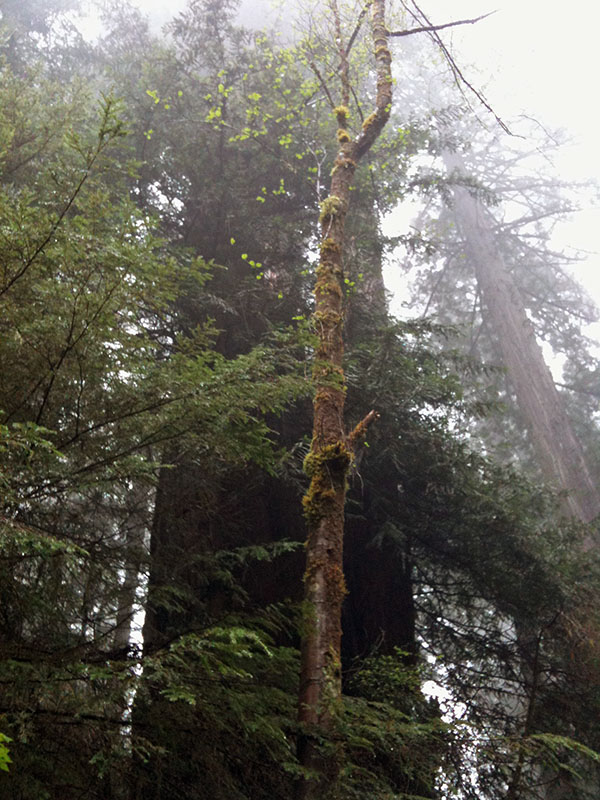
(430, 28)
(360, 430)
(459, 77)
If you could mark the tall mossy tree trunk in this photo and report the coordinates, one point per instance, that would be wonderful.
(331, 452)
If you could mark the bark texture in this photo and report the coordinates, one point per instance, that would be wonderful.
(331, 453)
(560, 454)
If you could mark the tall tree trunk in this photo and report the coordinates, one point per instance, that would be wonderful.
(135, 529)
(331, 452)
(560, 454)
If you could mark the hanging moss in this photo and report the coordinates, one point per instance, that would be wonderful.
(330, 376)
(330, 250)
(329, 246)
(332, 458)
(329, 267)
(328, 287)
(328, 317)
(369, 121)
(346, 163)
(383, 53)
(342, 113)
(327, 470)
(330, 207)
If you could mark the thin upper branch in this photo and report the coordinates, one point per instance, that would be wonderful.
(343, 53)
(358, 26)
(317, 72)
(373, 125)
(430, 28)
(455, 69)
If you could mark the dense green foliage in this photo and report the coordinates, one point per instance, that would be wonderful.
(158, 204)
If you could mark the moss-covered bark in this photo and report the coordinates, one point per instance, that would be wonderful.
(331, 452)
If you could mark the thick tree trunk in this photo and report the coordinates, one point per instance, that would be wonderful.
(560, 454)
(331, 453)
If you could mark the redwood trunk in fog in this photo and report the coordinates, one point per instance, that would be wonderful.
(560, 454)
(331, 452)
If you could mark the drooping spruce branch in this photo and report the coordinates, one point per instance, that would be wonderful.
(111, 128)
